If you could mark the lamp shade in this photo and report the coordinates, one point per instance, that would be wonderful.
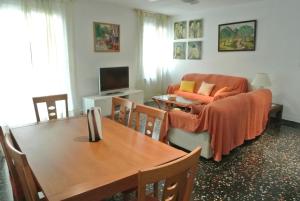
(261, 80)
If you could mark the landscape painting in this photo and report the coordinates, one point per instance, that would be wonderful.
(106, 37)
(237, 36)
(194, 49)
(179, 50)
(180, 30)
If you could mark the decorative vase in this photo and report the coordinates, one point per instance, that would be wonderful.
(94, 124)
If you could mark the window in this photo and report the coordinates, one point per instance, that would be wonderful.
(34, 57)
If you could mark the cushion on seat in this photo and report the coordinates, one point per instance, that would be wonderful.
(224, 89)
(205, 88)
(187, 86)
(238, 84)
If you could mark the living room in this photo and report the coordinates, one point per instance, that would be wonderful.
(276, 54)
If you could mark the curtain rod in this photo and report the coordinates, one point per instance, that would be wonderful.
(151, 12)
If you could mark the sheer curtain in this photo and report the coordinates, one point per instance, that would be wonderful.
(153, 52)
(34, 56)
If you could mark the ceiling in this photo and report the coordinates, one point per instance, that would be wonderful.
(176, 7)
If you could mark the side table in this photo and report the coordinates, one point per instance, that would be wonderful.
(276, 112)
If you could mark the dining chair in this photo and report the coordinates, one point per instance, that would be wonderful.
(152, 114)
(178, 177)
(23, 171)
(51, 105)
(18, 194)
(124, 112)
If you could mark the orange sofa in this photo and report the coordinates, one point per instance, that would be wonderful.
(222, 123)
(235, 86)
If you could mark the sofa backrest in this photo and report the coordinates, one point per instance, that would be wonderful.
(237, 84)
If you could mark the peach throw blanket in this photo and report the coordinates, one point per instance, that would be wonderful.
(229, 121)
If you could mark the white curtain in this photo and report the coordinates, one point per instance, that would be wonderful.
(153, 52)
(34, 56)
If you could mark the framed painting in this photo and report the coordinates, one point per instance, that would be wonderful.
(106, 37)
(180, 30)
(237, 36)
(196, 28)
(195, 50)
(179, 50)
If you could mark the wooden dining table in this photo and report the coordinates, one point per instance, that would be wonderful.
(69, 167)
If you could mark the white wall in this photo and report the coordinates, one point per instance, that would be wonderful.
(277, 49)
(86, 60)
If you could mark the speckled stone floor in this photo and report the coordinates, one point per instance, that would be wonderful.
(267, 168)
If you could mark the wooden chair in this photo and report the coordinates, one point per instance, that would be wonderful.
(125, 107)
(23, 171)
(18, 194)
(51, 105)
(178, 175)
(151, 115)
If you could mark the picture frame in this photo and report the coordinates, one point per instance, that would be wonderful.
(237, 36)
(179, 50)
(180, 30)
(106, 37)
(196, 28)
(195, 50)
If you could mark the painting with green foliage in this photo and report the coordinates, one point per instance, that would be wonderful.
(106, 37)
(237, 36)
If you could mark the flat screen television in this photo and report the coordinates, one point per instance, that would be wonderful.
(113, 79)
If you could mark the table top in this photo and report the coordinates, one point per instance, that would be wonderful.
(181, 101)
(67, 165)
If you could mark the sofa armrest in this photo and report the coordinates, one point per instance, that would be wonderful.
(172, 88)
(183, 120)
(225, 94)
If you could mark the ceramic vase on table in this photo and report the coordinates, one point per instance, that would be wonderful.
(94, 124)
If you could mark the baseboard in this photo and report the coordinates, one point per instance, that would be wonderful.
(290, 123)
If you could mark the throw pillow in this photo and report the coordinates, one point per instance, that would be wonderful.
(224, 89)
(187, 86)
(205, 88)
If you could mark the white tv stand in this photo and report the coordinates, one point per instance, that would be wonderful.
(104, 101)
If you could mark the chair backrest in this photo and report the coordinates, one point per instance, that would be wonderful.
(23, 171)
(7, 157)
(151, 115)
(178, 175)
(125, 109)
(14, 180)
(51, 105)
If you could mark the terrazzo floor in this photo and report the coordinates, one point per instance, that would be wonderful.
(267, 168)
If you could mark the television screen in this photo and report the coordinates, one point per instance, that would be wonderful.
(114, 78)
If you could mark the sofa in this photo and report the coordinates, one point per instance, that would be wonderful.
(219, 124)
(234, 84)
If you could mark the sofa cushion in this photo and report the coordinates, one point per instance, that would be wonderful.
(206, 88)
(193, 96)
(237, 84)
(220, 91)
(187, 86)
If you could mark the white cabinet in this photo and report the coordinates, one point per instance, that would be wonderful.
(104, 102)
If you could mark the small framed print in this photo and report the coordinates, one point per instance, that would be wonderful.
(180, 30)
(179, 50)
(196, 28)
(195, 50)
